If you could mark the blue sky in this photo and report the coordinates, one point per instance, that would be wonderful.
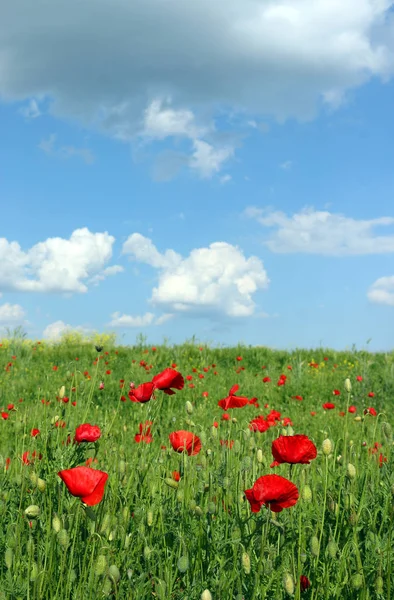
(235, 184)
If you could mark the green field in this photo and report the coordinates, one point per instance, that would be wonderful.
(174, 526)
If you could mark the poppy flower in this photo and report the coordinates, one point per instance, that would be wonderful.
(293, 449)
(359, 378)
(87, 433)
(328, 406)
(142, 393)
(5, 415)
(215, 424)
(371, 395)
(185, 441)
(176, 475)
(233, 401)
(287, 421)
(225, 417)
(144, 434)
(352, 409)
(299, 398)
(266, 379)
(370, 411)
(336, 393)
(85, 483)
(34, 432)
(274, 491)
(167, 379)
(227, 443)
(304, 583)
(259, 424)
(10, 406)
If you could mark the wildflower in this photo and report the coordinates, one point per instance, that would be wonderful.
(266, 379)
(167, 379)
(185, 441)
(142, 393)
(144, 434)
(359, 378)
(274, 491)
(304, 583)
(239, 358)
(328, 406)
(225, 417)
(352, 409)
(5, 415)
(259, 424)
(293, 449)
(101, 386)
(87, 433)
(176, 475)
(299, 398)
(10, 406)
(205, 394)
(336, 393)
(370, 411)
(85, 483)
(34, 432)
(371, 395)
(233, 401)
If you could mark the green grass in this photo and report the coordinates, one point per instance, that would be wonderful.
(153, 538)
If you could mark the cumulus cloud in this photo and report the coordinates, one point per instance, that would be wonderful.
(119, 320)
(382, 291)
(208, 160)
(57, 264)
(210, 281)
(54, 331)
(48, 146)
(322, 232)
(31, 111)
(11, 314)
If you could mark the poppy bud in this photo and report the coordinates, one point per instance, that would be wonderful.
(333, 507)
(208, 452)
(62, 392)
(122, 467)
(237, 446)
(149, 518)
(171, 483)
(33, 478)
(327, 447)
(62, 538)
(198, 511)
(180, 496)
(252, 443)
(214, 432)
(41, 485)
(314, 546)
(379, 585)
(206, 595)
(33, 571)
(246, 463)
(107, 587)
(357, 581)
(8, 558)
(101, 565)
(30, 546)
(211, 508)
(105, 522)
(234, 420)
(55, 419)
(358, 419)
(259, 456)
(246, 563)
(348, 385)
(351, 471)
(189, 407)
(56, 524)
(112, 535)
(332, 549)
(113, 573)
(183, 564)
(288, 583)
(32, 511)
(387, 431)
(307, 493)
(147, 553)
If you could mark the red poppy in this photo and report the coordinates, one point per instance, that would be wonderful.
(227, 443)
(274, 415)
(259, 424)
(341, 413)
(266, 379)
(293, 449)
(142, 393)
(185, 441)
(189, 377)
(382, 460)
(287, 421)
(313, 413)
(167, 379)
(359, 378)
(239, 358)
(27, 461)
(336, 393)
(274, 491)
(205, 394)
(85, 483)
(352, 409)
(371, 395)
(304, 583)
(215, 424)
(370, 411)
(87, 433)
(5, 415)
(328, 406)
(225, 417)
(34, 432)
(297, 398)
(176, 475)
(144, 434)
(10, 407)
(233, 401)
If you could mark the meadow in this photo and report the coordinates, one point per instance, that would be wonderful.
(143, 510)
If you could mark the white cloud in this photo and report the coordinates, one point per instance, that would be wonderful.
(31, 111)
(55, 330)
(207, 160)
(382, 291)
(210, 281)
(225, 179)
(161, 122)
(57, 264)
(10, 314)
(286, 166)
(322, 232)
(107, 272)
(119, 320)
(49, 147)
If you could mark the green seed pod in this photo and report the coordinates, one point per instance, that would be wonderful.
(9, 557)
(122, 467)
(288, 583)
(252, 443)
(41, 485)
(247, 433)
(198, 511)
(105, 523)
(236, 534)
(214, 432)
(149, 518)
(73, 575)
(387, 431)
(189, 407)
(107, 587)
(289, 430)
(327, 447)
(33, 478)
(126, 514)
(100, 566)
(147, 552)
(246, 463)
(113, 573)
(357, 581)
(259, 456)
(211, 508)
(112, 535)
(379, 585)
(171, 483)
(62, 538)
(32, 511)
(351, 471)
(314, 546)
(332, 549)
(180, 495)
(56, 523)
(183, 564)
(353, 519)
(161, 589)
(237, 447)
(206, 595)
(33, 571)
(307, 493)
(246, 563)
(127, 541)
